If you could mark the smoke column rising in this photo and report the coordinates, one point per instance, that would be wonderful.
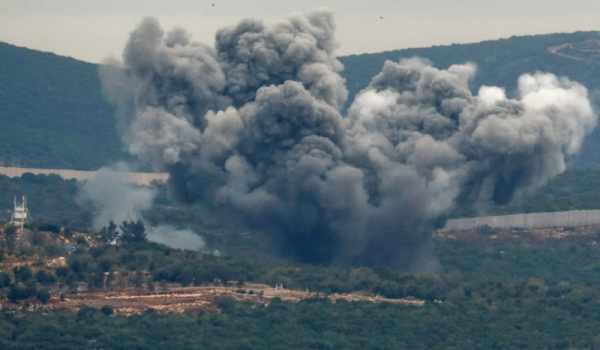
(253, 127)
(112, 199)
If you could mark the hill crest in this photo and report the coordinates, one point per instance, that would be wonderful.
(59, 119)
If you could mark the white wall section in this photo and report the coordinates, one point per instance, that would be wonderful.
(143, 179)
(534, 220)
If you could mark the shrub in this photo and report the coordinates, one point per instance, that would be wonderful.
(37, 239)
(42, 295)
(107, 310)
(17, 293)
(22, 274)
(49, 227)
(226, 304)
(4, 279)
(44, 278)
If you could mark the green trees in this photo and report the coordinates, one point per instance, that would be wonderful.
(71, 282)
(137, 279)
(4, 279)
(315, 324)
(10, 232)
(133, 232)
(95, 279)
(483, 299)
(44, 277)
(62, 111)
(22, 274)
(20, 292)
(24, 291)
(108, 233)
(107, 310)
(43, 295)
(37, 239)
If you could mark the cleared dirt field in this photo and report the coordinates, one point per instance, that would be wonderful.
(178, 299)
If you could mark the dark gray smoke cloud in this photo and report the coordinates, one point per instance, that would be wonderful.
(253, 127)
(300, 49)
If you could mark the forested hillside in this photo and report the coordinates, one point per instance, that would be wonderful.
(53, 113)
(506, 292)
(499, 62)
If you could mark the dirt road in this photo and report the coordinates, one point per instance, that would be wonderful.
(192, 299)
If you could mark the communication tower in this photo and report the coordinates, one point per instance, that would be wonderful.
(21, 215)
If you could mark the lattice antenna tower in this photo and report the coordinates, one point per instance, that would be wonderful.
(21, 215)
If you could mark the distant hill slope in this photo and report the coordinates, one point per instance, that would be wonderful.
(499, 62)
(53, 114)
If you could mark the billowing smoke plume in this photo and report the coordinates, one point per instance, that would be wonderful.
(426, 144)
(178, 239)
(254, 128)
(111, 198)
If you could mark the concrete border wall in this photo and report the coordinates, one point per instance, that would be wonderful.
(143, 179)
(534, 220)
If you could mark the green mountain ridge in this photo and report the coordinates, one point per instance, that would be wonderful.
(499, 62)
(54, 115)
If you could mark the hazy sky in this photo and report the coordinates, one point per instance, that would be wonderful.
(92, 29)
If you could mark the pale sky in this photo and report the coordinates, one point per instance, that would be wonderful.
(92, 30)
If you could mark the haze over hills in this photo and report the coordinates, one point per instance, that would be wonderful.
(54, 115)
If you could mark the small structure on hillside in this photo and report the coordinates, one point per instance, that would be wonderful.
(115, 241)
(69, 247)
(21, 215)
(56, 263)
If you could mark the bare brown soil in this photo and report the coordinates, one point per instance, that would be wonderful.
(127, 300)
(177, 299)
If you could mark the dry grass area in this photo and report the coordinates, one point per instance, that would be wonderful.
(125, 299)
(178, 299)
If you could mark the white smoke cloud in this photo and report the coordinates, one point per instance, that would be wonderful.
(112, 198)
(174, 238)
